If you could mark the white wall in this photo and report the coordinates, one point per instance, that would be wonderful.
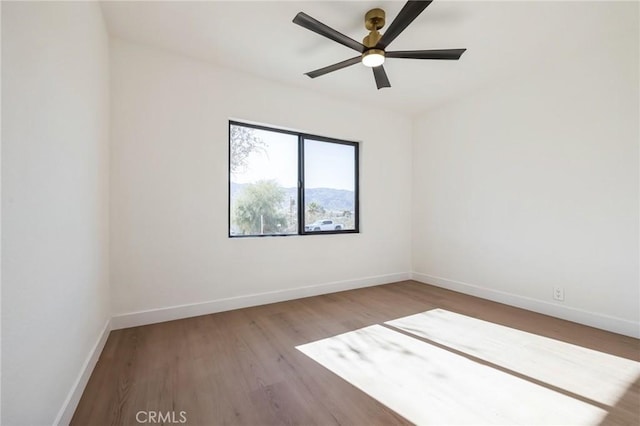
(169, 179)
(533, 183)
(55, 296)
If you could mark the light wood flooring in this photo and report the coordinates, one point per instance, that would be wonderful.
(241, 367)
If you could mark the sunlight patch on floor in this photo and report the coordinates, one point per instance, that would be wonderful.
(430, 385)
(591, 374)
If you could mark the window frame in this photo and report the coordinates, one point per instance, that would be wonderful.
(301, 136)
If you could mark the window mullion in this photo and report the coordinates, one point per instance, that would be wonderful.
(301, 202)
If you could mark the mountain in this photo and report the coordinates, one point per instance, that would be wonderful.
(329, 198)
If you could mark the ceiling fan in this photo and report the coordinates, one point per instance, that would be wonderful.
(373, 48)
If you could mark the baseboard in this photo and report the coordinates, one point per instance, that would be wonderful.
(171, 313)
(592, 319)
(73, 398)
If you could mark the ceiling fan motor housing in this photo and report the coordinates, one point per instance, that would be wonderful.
(373, 21)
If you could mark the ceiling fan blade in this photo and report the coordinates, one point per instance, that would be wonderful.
(381, 77)
(409, 12)
(334, 67)
(449, 54)
(318, 27)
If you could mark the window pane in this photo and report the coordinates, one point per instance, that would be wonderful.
(330, 186)
(263, 170)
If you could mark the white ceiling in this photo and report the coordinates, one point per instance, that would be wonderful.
(503, 38)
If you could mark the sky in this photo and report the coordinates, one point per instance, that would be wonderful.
(327, 165)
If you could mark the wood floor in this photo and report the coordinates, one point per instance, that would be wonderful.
(241, 367)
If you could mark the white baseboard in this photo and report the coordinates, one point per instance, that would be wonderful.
(604, 322)
(170, 313)
(73, 398)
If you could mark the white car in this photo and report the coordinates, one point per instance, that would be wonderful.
(323, 225)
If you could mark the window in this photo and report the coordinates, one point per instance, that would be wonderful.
(289, 183)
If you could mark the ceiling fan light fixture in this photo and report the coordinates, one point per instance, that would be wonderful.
(373, 58)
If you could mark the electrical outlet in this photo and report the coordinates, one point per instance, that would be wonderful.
(558, 293)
